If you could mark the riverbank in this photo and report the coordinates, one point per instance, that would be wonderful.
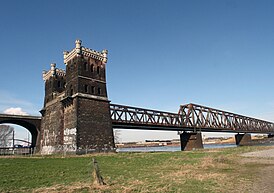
(208, 170)
(169, 148)
(176, 142)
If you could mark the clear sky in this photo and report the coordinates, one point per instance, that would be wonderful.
(217, 53)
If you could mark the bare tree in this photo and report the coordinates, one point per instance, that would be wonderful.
(6, 135)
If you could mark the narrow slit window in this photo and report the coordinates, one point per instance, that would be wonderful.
(86, 66)
(99, 91)
(92, 68)
(98, 69)
(93, 90)
(71, 91)
(86, 88)
(72, 66)
(59, 84)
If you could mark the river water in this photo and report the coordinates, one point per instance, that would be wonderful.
(170, 148)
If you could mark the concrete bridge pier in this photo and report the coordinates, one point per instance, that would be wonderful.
(243, 139)
(191, 141)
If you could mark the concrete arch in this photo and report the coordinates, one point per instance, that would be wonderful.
(31, 123)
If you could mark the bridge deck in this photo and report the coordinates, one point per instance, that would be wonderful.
(20, 116)
(191, 117)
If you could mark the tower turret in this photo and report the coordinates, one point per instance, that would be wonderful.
(78, 46)
(54, 82)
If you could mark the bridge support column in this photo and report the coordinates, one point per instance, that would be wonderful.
(270, 135)
(243, 139)
(191, 141)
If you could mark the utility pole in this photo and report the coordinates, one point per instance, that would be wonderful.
(13, 138)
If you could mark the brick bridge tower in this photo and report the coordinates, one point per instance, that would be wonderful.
(76, 114)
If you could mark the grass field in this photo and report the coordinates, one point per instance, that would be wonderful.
(215, 170)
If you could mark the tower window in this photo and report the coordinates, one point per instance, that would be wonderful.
(93, 90)
(98, 69)
(59, 84)
(86, 88)
(92, 68)
(73, 66)
(99, 91)
(86, 66)
(71, 91)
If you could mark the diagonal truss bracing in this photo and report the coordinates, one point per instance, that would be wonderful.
(190, 117)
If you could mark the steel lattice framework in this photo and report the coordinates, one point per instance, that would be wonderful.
(191, 117)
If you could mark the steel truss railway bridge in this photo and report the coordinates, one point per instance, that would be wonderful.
(77, 111)
(190, 121)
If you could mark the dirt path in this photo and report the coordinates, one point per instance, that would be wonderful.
(265, 178)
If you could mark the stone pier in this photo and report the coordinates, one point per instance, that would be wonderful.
(191, 141)
(270, 135)
(243, 139)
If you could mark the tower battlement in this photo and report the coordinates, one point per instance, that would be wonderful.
(81, 50)
(53, 72)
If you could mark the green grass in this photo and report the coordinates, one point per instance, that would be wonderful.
(196, 171)
(29, 173)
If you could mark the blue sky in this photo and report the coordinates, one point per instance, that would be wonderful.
(217, 53)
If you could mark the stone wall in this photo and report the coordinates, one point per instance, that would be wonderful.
(94, 129)
(70, 126)
(52, 130)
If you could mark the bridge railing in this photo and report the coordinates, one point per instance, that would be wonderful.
(208, 118)
(133, 115)
(190, 116)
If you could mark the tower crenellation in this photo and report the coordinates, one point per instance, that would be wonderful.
(87, 52)
(53, 72)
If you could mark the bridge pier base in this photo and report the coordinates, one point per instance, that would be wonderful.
(191, 141)
(243, 139)
(270, 135)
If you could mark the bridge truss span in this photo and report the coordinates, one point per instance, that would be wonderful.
(191, 117)
(139, 118)
(207, 118)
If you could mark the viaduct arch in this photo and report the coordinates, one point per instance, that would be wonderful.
(31, 123)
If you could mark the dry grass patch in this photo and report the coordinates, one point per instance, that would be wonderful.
(222, 171)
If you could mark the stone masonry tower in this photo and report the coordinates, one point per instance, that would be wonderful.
(76, 113)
